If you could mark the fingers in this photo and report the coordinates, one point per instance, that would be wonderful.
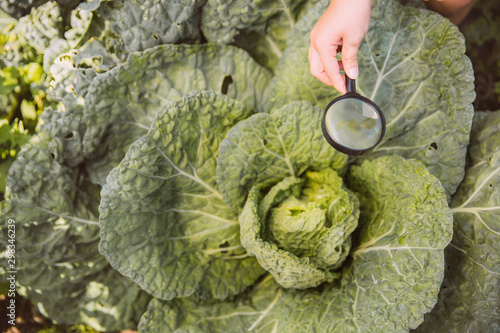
(316, 67)
(325, 67)
(350, 56)
(331, 67)
(342, 24)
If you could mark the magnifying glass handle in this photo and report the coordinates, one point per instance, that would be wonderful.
(350, 84)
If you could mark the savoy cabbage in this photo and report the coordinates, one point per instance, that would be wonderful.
(178, 180)
(163, 204)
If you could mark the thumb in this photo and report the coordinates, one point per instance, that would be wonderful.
(350, 60)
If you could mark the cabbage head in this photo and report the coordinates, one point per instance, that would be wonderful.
(300, 231)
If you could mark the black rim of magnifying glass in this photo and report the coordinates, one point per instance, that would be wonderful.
(351, 93)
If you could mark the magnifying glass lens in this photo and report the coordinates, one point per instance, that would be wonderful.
(353, 123)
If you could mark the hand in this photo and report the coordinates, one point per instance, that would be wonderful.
(341, 28)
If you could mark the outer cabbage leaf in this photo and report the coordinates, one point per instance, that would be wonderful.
(469, 300)
(122, 103)
(50, 252)
(79, 21)
(41, 26)
(412, 65)
(265, 148)
(105, 301)
(14, 49)
(139, 25)
(47, 30)
(90, 5)
(43, 171)
(20, 8)
(391, 279)
(163, 221)
(55, 204)
(73, 72)
(260, 27)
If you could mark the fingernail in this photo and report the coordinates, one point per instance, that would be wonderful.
(353, 73)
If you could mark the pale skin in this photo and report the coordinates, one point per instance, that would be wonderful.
(343, 26)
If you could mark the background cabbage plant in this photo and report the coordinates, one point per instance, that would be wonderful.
(180, 180)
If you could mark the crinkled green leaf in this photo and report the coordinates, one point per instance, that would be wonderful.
(48, 31)
(20, 8)
(288, 269)
(90, 5)
(190, 315)
(105, 301)
(222, 21)
(412, 65)
(122, 103)
(140, 25)
(53, 251)
(260, 47)
(391, 279)
(265, 148)
(73, 72)
(43, 169)
(469, 298)
(294, 224)
(260, 27)
(325, 191)
(41, 26)
(57, 206)
(79, 21)
(57, 230)
(163, 221)
(15, 49)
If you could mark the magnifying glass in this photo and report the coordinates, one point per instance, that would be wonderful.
(353, 124)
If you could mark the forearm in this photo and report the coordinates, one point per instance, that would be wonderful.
(454, 10)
